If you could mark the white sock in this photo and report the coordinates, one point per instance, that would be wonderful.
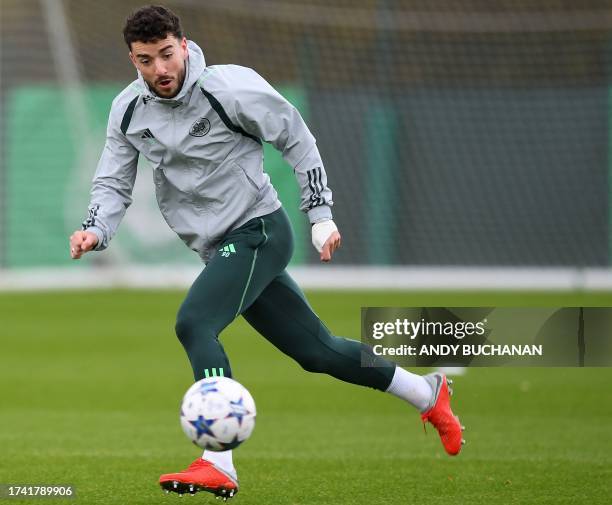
(410, 387)
(223, 460)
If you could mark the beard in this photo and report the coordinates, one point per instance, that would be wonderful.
(170, 88)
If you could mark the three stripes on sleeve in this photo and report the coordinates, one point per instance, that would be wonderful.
(315, 184)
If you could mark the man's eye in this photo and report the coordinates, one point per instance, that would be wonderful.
(167, 56)
(144, 62)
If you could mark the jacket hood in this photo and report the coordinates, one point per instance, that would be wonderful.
(195, 64)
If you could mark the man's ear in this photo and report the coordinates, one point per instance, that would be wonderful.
(184, 47)
(133, 59)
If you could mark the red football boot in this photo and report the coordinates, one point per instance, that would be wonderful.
(201, 475)
(441, 416)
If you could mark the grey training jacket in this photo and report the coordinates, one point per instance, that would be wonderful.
(205, 147)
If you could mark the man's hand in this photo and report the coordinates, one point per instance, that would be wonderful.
(82, 242)
(326, 239)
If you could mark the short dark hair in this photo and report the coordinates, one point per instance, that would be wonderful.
(150, 24)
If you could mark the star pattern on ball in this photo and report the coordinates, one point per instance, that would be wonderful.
(202, 426)
(226, 446)
(238, 411)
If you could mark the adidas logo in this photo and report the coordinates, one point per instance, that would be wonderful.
(227, 250)
(147, 135)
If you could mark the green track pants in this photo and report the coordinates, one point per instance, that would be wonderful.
(247, 277)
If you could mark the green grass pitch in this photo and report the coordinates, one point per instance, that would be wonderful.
(91, 384)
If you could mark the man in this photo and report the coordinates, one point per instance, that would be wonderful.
(202, 129)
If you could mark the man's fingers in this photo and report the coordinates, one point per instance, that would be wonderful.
(337, 243)
(75, 241)
(81, 242)
(330, 246)
(88, 243)
(75, 252)
(326, 252)
(77, 238)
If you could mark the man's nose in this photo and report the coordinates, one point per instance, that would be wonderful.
(160, 68)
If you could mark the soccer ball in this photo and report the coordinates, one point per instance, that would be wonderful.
(218, 414)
